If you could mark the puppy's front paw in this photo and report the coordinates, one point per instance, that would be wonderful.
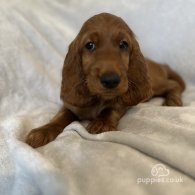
(99, 126)
(42, 135)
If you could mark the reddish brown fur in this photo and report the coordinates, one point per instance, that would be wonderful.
(84, 96)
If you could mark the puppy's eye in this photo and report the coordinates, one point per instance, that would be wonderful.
(123, 45)
(90, 46)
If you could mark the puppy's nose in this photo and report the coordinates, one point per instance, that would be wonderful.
(110, 80)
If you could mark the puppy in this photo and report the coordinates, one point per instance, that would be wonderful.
(104, 74)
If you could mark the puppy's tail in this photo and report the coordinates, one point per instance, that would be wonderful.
(176, 77)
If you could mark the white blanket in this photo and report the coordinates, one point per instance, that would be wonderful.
(154, 151)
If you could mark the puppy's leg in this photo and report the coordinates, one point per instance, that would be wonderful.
(47, 133)
(106, 121)
(172, 94)
(174, 88)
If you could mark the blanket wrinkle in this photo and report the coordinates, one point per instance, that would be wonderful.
(145, 145)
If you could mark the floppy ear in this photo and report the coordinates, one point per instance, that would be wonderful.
(73, 87)
(139, 86)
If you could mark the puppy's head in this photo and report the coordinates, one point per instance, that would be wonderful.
(105, 61)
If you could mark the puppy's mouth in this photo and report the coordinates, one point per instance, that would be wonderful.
(112, 93)
(108, 95)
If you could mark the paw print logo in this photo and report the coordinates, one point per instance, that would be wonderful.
(159, 170)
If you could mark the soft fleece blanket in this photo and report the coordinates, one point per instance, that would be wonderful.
(154, 151)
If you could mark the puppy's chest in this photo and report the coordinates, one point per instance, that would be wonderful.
(87, 113)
